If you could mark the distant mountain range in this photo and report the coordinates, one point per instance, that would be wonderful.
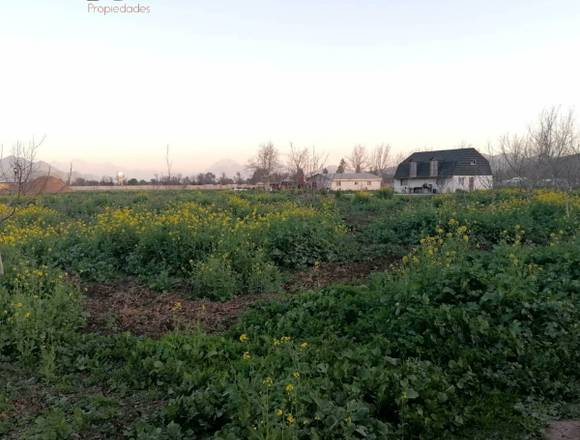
(40, 168)
(96, 171)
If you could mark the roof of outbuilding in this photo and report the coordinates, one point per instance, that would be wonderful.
(353, 176)
(457, 162)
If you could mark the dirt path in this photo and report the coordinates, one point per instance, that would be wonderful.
(128, 306)
(327, 274)
(563, 430)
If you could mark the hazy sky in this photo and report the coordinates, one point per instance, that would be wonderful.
(214, 79)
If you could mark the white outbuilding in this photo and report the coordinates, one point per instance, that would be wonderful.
(346, 181)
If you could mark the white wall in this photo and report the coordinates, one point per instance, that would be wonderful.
(413, 183)
(451, 184)
(355, 185)
(462, 183)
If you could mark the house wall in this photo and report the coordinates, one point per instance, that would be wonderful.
(462, 183)
(355, 185)
(408, 184)
(447, 185)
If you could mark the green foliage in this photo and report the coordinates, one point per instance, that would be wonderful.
(214, 279)
(160, 241)
(385, 193)
(473, 333)
(38, 311)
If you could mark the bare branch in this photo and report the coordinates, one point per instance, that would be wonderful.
(358, 159)
(380, 159)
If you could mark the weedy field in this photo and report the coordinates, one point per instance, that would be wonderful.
(180, 315)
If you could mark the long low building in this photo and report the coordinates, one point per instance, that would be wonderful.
(346, 181)
(463, 169)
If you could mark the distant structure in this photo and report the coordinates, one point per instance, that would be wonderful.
(443, 171)
(120, 178)
(346, 181)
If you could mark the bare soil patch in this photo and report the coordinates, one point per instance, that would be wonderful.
(128, 306)
(563, 430)
(327, 274)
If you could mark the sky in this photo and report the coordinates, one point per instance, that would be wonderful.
(215, 79)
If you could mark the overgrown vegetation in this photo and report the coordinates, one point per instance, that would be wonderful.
(472, 333)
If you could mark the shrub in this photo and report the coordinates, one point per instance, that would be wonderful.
(213, 279)
(385, 193)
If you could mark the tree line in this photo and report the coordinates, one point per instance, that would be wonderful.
(270, 165)
(546, 154)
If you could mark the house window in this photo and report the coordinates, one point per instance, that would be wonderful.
(369, 182)
(356, 182)
(473, 162)
(433, 168)
(462, 181)
(412, 169)
(338, 183)
(404, 182)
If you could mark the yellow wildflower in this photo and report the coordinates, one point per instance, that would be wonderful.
(176, 307)
(296, 374)
(279, 412)
(290, 419)
(268, 381)
(244, 338)
(246, 356)
(289, 388)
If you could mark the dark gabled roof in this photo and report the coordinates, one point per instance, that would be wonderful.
(456, 162)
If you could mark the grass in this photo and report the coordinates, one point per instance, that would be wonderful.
(471, 332)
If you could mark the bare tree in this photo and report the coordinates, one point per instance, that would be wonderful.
(380, 159)
(553, 138)
(266, 161)
(168, 164)
(497, 164)
(517, 154)
(358, 159)
(17, 175)
(400, 157)
(316, 161)
(541, 155)
(297, 160)
(70, 173)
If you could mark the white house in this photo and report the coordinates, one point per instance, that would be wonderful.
(347, 181)
(443, 171)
